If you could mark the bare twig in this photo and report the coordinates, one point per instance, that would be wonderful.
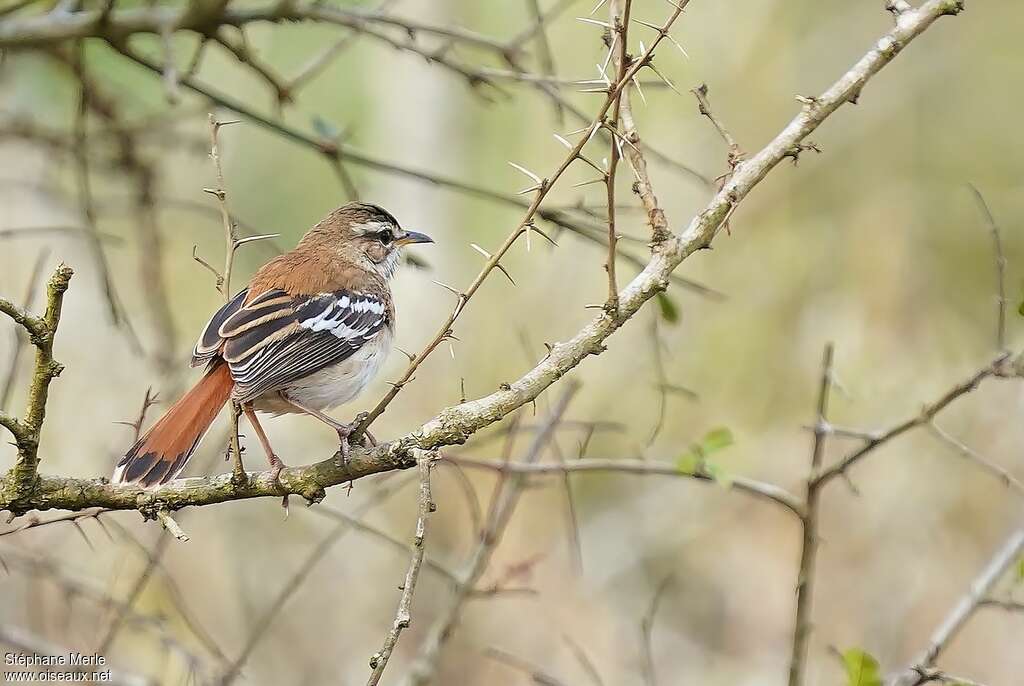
(809, 531)
(19, 339)
(21, 482)
(647, 632)
(454, 424)
(927, 414)
(1000, 258)
(381, 494)
(966, 451)
(962, 612)
(506, 496)
(403, 616)
(760, 489)
(542, 188)
(736, 154)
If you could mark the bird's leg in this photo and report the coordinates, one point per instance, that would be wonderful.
(235, 447)
(276, 465)
(343, 430)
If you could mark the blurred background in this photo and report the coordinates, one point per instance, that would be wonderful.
(876, 244)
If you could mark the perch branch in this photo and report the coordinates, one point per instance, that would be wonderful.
(403, 616)
(455, 424)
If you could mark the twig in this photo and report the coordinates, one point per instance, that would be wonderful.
(332, 150)
(542, 188)
(962, 612)
(84, 186)
(1000, 258)
(736, 154)
(454, 424)
(809, 531)
(536, 674)
(966, 451)
(22, 481)
(927, 414)
(656, 219)
(19, 339)
(380, 495)
(171, 526)
(647, 631)
(506, 496)
(760, 489)
(152, 562)
(403, 616)
(619, 58)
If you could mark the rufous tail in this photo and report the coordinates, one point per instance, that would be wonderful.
(163, 451)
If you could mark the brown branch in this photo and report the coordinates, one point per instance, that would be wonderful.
(619, 58)
(542, 188)
(1000, 258)
(998, 367)
(403, 616)
(455, 424)
(809, 531)
(964, 610)
(506, 496)
(22, 480)
(19, 339)
(760, 489)
(381, 494)
(334, 152)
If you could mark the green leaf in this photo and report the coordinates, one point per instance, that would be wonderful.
(1019, 576)
(695, 460)
(689, 463)
(716, 439)
(670, 311)
(716, 472)
(861, 668)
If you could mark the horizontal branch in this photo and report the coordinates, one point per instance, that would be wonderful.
(964, 609)
(56, 27)
(997, 367)
(455, 424)
(760, 489)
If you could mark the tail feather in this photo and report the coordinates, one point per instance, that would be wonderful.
(163, 451)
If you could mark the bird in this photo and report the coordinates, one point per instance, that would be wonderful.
(310, 331)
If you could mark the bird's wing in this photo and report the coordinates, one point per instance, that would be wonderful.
(209, 344)
(279, 338)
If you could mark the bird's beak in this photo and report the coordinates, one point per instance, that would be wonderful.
(414, 237)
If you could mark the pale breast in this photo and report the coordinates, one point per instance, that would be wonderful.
(337, 384)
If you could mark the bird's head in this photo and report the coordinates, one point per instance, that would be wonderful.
(366, 235)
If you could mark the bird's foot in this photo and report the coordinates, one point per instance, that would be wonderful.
(276, 465)
(345, 431)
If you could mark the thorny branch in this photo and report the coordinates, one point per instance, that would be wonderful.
(809, 530)
(403, 616)
(455, 424)
(506, 496)
(922, 668)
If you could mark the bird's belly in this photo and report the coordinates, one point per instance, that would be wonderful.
(334, 385)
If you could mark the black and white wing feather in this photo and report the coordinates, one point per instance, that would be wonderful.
(278, 338)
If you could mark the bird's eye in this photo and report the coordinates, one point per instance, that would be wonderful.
(386, 236)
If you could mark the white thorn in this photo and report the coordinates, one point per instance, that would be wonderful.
(480, 250)
(525, 171)
(639, 90)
